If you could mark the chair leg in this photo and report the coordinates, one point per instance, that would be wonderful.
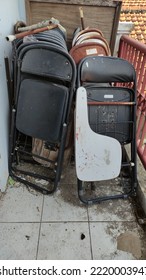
(60, 156)
(11, 140)
(96, 200)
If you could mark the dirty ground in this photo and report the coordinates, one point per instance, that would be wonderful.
(36, 226)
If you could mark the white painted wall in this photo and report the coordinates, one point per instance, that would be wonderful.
(10, 12)
(124, 28)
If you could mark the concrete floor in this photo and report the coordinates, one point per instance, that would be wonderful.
(59, 227)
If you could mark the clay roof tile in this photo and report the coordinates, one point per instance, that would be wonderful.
(135, 11)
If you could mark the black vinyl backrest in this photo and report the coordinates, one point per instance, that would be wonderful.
(115, 120)
(105, 69)
(47, 61)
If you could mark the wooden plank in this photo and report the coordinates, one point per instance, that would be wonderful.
(28, 11)
(108, 3)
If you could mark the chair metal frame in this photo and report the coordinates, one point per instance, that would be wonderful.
(42, 72)
(108, 74)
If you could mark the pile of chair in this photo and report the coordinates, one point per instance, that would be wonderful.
(89, 41)
(44, 77)
(42, 102)
(105, 120)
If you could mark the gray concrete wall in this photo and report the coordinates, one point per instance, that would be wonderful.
(10, 12)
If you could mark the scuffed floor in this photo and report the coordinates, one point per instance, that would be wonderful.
(35, 226)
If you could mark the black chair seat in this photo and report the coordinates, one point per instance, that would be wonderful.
(40, 109)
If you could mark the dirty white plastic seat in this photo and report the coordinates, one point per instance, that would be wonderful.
(97, 157)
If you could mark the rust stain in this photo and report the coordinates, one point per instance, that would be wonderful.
(77, 133)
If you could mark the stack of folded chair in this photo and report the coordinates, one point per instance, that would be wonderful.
(89, 41)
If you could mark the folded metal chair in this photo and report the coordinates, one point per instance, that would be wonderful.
(45, 86)
(110, 86)
(85, 32)
(82, 50)
(53, 37)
